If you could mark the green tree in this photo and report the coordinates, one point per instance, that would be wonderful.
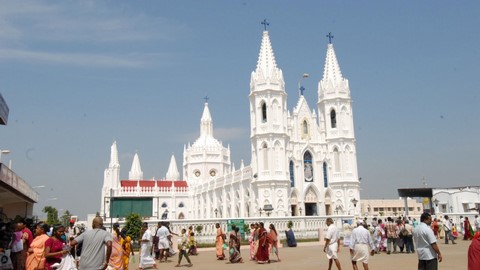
(65, 218)
(134, 225)
(52, 214)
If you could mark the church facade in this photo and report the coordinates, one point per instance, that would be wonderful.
(303, 161)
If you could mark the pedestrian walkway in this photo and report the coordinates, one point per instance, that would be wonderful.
(309, 256)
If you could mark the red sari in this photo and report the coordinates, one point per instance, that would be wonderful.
(435, 228)
(262, 251)
(55, 246)
(468, 230)
(474, 253)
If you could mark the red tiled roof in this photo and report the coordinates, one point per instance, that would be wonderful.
(151, 183)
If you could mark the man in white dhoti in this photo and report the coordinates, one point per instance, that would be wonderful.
(332, 244)
(360, 244)
(146, 259)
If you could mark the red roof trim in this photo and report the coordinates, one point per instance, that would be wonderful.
(152, 183)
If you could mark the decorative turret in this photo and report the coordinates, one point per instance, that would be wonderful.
(136, 170)
(172, 173)
(111, 178)
(206, 158)
(206, 126)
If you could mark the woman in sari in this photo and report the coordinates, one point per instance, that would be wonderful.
(233, 244)
(274, 238)
(219, 241)
(36, 258)
(127, 248)
(262, 251)
(468, 230)
(54, 247)
(116, 259)
(435, 227)
(251, 242)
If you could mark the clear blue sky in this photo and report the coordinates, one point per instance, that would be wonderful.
(79, 74)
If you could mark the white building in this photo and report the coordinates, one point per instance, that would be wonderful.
(303, 161)
(457, 199)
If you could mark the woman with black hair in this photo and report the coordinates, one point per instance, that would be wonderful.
(35, 257)
(55, 247)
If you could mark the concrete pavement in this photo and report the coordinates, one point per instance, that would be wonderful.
(310, 256)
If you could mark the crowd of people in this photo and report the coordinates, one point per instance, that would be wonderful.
(261, 243)
(39, 246)
(71, 247)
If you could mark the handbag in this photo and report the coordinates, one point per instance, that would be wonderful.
(5, 261)
(40, 262)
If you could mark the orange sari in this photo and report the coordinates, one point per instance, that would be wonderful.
(219, 244)
(37, 258)
(116, 259)
(127, 246)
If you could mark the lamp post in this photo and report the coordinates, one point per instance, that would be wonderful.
(354, 201)
(305, 75)
(337, 209)
(436, 201)
(216, 212)
(300, 210)
(268, 208)
(3, 152)
(260, 211)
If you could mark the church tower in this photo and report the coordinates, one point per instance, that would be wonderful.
(336, 126)
(269, 138)
(111, 177)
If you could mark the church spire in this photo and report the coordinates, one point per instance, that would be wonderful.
(136, 170)
(332, 70)
(206, 125)
(172, 173)
(114, 155)
(266, 76)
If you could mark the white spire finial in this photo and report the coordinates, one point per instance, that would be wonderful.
(206, 123)
(172, 173)
(114, 155)
(136, 170)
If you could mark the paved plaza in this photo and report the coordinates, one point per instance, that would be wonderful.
(309, 256)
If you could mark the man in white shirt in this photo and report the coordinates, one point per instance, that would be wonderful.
(332, 244)
(360, 243)
(163, 243)
(426, 243)
(447, 227)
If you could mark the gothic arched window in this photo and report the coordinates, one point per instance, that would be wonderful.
(264, 112)
(308, 166)
(305, 127)
(265, 156)
(333, 118)
(325, 175)
(292, 174)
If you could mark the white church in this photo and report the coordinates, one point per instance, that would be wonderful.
(303, 161)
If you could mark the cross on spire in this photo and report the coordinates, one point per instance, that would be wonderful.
(265, 24)
(206, 99)
(301, 90)
(329, 36)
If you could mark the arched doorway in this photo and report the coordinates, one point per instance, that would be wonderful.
(311, 200)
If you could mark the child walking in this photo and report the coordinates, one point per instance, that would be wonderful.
(182, 249)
